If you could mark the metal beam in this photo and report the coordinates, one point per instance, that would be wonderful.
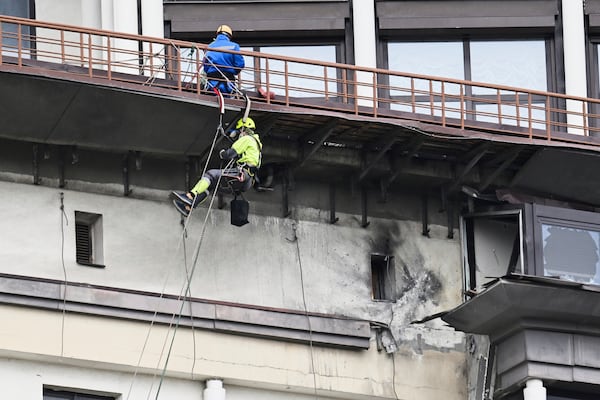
(322, 135)
(412, 149)
(332, 218)
(474, 156)
(510, 156)
(387, 145)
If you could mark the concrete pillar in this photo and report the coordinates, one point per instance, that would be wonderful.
(152, 18)
(365, 54)
(153, 25)
(90, 14)
(121, 16)
(575, 60)
(106, 15)
(534, 390)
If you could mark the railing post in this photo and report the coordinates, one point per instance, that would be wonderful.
(355, 93)
(1, 38)
(108, 58)
(19, 45)
(268, 81)
(548, 118)
(443, 103)
(584, 115)
(345, 86)
(325, 83)
(375, 94)
(463, 115)
(62, 46)
(413, 99)
(81, 47)
(517, 112)
(499, 101)
(178, 70)
(431, 99)
(529, 121)
(198, 77)
(90, 66)
(287, 85)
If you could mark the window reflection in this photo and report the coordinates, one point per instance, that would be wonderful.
(571, 254)
(304, 80)
(491, 62)
(512, 63)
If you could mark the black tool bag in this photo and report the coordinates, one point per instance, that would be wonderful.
(239, 211)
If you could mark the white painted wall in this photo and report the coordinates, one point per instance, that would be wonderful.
(103, 354)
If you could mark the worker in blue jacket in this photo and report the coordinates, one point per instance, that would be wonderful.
(221, 68)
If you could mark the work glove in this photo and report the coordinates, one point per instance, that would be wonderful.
(227, 154)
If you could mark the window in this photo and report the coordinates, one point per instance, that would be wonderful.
(492, 246)
(16, 8)
(531, 239)
(491, 62)
(56, 394)
(303, 79)
(383, 279)
(88, 239)
(567, 244)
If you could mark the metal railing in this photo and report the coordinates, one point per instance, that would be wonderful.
(176, 65)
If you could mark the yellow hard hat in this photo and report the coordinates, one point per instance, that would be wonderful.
(225, 29)
(248, 123)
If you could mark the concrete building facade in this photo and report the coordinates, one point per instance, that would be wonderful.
(335, 287)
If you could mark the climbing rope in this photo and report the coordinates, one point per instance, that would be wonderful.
(186, 289)
(189, 280)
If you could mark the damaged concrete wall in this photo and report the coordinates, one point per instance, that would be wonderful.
(301, 263)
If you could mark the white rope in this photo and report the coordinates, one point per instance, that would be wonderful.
(189, 277)
(180, 242)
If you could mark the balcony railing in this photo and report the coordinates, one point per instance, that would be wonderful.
(176, 65)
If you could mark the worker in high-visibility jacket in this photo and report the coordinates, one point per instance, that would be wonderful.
(222, 68)
(246, 150)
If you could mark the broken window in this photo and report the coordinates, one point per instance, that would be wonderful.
(383, 279)
(567, 244)
(533, 239)
(492, 246)
(88, 239)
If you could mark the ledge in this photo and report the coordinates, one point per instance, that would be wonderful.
(239, 319)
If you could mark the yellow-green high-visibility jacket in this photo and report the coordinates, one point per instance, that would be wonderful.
(248, 148)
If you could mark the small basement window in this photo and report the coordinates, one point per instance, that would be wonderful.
(88, 239)
(383, 279)
(59, 394)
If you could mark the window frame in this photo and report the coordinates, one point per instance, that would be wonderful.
(531, 218)
(471, 105)
(562, 217)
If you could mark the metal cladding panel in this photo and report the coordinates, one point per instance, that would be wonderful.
(505, 305)
(592, 9)
(466, 14)
(565, 174)
(250, 17)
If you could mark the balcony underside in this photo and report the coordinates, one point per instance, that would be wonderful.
(56, 108)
